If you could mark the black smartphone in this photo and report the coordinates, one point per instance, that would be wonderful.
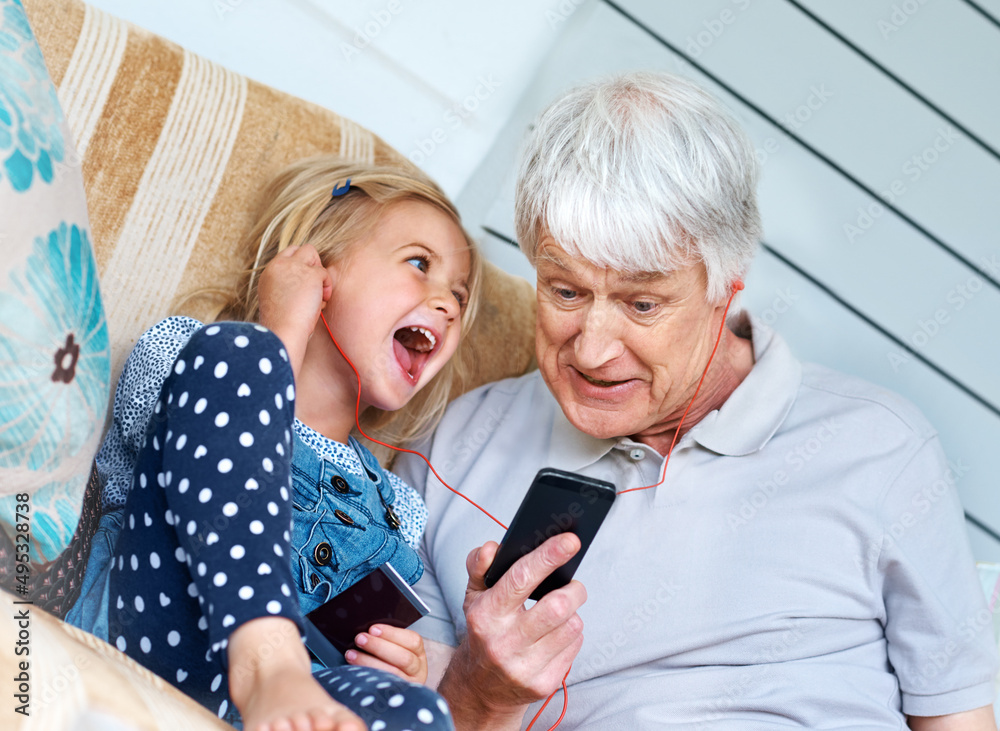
(557, 502)
(381, 597)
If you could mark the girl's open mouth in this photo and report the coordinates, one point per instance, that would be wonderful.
(413, 346)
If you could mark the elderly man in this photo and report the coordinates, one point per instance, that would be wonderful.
(763, 584)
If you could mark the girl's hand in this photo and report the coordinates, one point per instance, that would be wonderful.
(400, 651)
(292, 290)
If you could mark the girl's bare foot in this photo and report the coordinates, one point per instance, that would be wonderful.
(271, 683)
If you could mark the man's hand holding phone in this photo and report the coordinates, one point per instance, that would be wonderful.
(513, 655)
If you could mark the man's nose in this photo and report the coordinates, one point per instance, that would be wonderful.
(598, 342)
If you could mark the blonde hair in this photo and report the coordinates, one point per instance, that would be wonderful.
(299, 208)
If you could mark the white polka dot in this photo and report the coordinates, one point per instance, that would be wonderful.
(191, 527)
(202, 624)
(216, 682)
(243, 390)
(146, 645)
(161, 480)
(158, 408)
(290, 392)
(202, 568)
(442, 706)
(237, 551)
(204, 495)
(277, 400)
(173, 638)
(425, 716)
(181, 675)
(156, 443)
(273, 606)
(279, 449)
(181, 441)
(183, 485)
(288, 538)
(222, 709)
(265, 366)
(241, 341)
(367, 701)
(154, 560)
(164, 599)
(225, 465)
(120, 602)
(192, 590)
(378, 725)
(198, 361)
(260, 328)
(142, 479)
(246, 592)
(200, 405)
(179, 367)
(120, 644)
(396, 701)
(182, 400)
(251, 484)
(267, 464)
(265, 418)
(229, 510)
(179, 554)
(283, 492)
(246, 439)
(283, 354)
(285, 590)
(211, 538)
(228, 621)
(168, 477)
(147, 520)
(200, 451)
(135, 562)
(131, 522)
(220, 579)
(213, 330)
(263, 569)
(272, 508)
(121, 562)
(256, 527)
(221, 419)
(383, 685)
(221, 369)
(169, 517)
(278, 551)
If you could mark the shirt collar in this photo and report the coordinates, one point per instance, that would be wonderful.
(743, 425)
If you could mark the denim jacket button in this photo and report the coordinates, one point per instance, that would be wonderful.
(323, 553)
(391, 518)
(340, 484)
(344, 517)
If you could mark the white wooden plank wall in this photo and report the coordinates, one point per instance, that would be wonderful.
(877, 122)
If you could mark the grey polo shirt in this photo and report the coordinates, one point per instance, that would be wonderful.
(804, 564)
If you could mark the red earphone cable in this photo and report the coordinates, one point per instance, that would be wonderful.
(737, 286)
(357, 420)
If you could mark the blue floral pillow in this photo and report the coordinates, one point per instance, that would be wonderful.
(54, 353)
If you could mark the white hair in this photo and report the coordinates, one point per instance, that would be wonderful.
(643, 172)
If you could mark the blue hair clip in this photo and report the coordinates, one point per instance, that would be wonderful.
(341, 189)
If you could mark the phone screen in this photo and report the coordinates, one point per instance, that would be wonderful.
(557, 502)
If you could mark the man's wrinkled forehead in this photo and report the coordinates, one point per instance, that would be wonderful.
(553, 254)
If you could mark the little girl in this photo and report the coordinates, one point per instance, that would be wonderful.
(247, 502)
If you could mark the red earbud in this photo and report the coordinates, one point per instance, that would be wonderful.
(737, 285)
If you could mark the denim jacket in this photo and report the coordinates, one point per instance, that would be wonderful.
(343, 526)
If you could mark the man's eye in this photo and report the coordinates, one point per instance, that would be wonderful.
(643, 307)
(420, 262)
(566, 294)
